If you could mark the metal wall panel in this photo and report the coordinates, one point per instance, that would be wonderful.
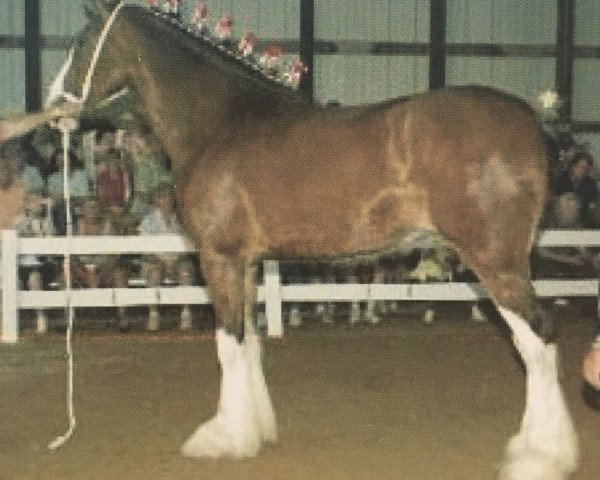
(591, 141)
(62, 17)
(12, 81)
(525, 77)
(52, 61)
(383, 20)
(502, 21)
(356, 79)
(12, 17)
(586, 99)
(265, 18)
(587, 22)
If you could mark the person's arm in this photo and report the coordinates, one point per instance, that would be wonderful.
(17, 126)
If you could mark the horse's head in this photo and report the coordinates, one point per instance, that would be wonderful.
(91, 74)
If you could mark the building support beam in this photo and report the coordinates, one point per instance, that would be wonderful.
(307, 46)
(33, 56)
(437, 44)
(564, 57)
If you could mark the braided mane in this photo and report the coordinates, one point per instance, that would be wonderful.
(227, 51)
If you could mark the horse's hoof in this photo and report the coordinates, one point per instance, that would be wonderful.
(526, 462)
(535, 465)
(214, 440)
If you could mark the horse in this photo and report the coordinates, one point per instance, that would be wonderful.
(261, 172)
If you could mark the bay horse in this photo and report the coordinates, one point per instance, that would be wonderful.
(261, 172)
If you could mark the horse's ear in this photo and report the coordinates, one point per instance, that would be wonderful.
(109, 4)
(94, 8)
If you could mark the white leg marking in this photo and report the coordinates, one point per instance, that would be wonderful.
(546, 446)
(57, 89)
(262, 400)
(245, 415)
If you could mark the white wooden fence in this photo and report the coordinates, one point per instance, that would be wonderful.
(272, 293)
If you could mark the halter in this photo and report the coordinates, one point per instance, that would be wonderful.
(87, 83)
(66, 126)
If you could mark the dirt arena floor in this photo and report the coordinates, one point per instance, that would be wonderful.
(402, 400)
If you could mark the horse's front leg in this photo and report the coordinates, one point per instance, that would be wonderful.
(245, 418)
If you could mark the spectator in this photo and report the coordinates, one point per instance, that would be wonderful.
(105, 141)
(164, 268)
(150, 169)
(79, 179)
(95, 271)
(566, 261)
(578, 180)
(33, 222)
(79, 186)
(28, 164)
(112, 182)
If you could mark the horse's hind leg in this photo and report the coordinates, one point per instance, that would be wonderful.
(245, 415)
(546, 446)
(263, 407)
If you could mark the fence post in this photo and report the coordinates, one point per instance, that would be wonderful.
(272, 281)
(10, 328)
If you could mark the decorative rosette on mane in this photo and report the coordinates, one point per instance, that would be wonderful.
(268, 63)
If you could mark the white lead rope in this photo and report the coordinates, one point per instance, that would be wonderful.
(66, 126)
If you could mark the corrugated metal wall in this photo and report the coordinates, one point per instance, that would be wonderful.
(12, 60)
(265, 18)
(586, 74)
(502, 22)
(58, 18)
(352, 79)
(357, 78)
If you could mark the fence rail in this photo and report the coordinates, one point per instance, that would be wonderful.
(272, 293)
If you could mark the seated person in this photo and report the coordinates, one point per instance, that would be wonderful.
(149, 168)
(566, 213)
(165, 268)
(27, 163)
(79, 188)
(112, 182)
(577, 179)
(95, 271)
(100, 271)
(33, 222)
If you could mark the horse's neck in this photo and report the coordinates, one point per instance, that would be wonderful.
(191, 105)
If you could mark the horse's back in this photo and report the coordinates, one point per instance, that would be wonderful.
(344, 179)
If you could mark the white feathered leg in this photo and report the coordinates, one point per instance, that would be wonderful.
(546, 446)
(234, 430)
(265, 414)
(245, 416)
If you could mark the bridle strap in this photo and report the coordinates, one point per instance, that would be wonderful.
(87, 83)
